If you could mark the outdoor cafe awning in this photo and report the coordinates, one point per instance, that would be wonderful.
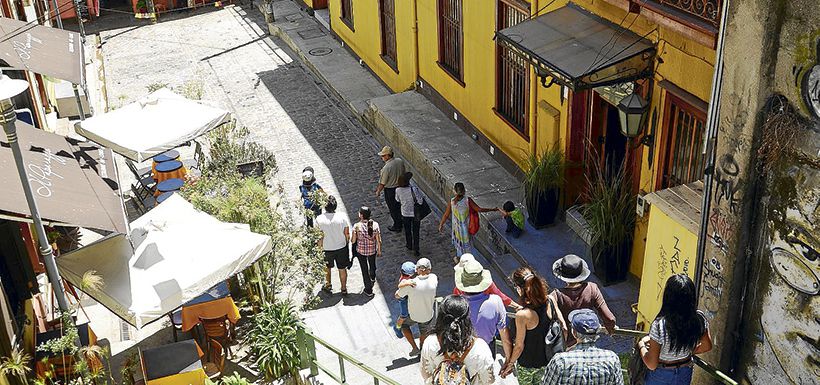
(152, 125)
(49, 51)
(178, 253)
(580, 50)
(74, 183)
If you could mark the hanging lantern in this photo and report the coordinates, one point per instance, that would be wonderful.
(632, 110)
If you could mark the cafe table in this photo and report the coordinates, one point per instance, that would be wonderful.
(178, 363)
(214, 303)
(164, 157)
(169, 170)
(168, 185)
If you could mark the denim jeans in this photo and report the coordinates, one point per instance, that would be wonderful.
(669, 376)
(511, 227)
(368, 265)
(404, 311)
(411, 233)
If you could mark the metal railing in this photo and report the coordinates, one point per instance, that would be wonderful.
(307, 350)
(706, 11)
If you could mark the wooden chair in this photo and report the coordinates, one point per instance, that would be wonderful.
(218, 329)
(217, 359)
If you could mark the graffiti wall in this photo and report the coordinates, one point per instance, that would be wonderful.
(781, 325)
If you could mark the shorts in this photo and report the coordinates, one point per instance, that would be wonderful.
(340, 258)
(424, 327)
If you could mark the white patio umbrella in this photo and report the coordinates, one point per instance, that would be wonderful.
(178, 253)
(152, 125)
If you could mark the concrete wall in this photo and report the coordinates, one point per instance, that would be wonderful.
(761, 272)
(671, 249)
(365, 40)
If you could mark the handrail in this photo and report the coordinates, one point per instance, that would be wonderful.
(706, 366)
(307, 350)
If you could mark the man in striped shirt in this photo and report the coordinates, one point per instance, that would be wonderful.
(584, 364)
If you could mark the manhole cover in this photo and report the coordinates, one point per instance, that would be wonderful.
(321, 51)
(311, 33)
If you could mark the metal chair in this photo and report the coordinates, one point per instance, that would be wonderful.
(145, 181)
(176, 322)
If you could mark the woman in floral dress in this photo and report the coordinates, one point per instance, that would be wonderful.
(460, 206)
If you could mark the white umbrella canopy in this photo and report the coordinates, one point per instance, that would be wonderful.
(152, 125)
(178, 253)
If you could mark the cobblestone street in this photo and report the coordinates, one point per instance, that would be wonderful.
(286, 109)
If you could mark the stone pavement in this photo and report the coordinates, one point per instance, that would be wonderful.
(440, 154)
(228, 53)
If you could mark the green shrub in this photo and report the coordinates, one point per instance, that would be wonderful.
(273, 340)
(229, 146)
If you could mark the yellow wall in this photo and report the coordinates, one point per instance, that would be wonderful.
(670, 249)
(365, 40)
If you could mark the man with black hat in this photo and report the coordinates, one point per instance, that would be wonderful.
(388, 181)
(579, 294)
(487, 311)
(584, 364)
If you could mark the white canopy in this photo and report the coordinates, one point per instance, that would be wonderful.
(178, 254)
(152, 125)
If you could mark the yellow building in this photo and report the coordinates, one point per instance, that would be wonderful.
(525, 75)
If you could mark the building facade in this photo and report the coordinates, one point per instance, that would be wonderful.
(517, 101)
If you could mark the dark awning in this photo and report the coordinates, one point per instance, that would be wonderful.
(48, 51)
(579, 49)
(74, 183)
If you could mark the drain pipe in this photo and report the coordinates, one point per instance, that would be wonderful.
(416, 44)
(710, 146)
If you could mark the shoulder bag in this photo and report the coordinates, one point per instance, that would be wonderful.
(554, 339)
(420, 209)
(473, 224)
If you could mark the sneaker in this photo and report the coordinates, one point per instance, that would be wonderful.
(369, 295)
(327, 289)
(415, 352)
(395, 229)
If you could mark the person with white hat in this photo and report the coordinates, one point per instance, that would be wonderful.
(493, 289)
(487, 311)
(308, 189)
(388, 181)
(579, 294)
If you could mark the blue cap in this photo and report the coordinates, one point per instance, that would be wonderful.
(408, 268)
(585, 321)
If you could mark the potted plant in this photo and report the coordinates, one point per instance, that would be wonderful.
(543, 179)
(610, 215)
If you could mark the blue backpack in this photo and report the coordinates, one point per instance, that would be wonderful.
(306, 190)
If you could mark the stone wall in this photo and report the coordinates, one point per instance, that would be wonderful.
(762, 256)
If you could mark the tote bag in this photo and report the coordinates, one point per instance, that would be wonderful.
(473, 219)
(420, 210)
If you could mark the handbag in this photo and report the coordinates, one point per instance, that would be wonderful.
(420, 210)
(554, 339)
(473, 224)
(636, 368)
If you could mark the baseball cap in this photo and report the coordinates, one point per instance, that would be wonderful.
(424, 263)
(584, 321)
(386, 150)
(408, 268)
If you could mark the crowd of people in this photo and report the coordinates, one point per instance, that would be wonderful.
(551, 339)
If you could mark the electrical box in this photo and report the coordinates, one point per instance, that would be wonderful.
(641, 205)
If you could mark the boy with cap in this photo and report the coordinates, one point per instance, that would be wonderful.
(584, 363)
(408, 270)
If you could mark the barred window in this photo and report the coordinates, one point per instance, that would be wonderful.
(346, 13)
(450, 38)
(512, 72)
(387, 18)
(684, 159)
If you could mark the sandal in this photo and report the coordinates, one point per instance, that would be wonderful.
(327, 289)
(344, 291)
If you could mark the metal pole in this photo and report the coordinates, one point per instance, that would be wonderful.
(712, 124)
(79, 102)
(57, 14)
(8, 118)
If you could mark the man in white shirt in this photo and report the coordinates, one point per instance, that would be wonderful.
(421, 300)
(335, 235)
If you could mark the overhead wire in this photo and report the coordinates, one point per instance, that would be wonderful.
(34, 23)
(616, 35)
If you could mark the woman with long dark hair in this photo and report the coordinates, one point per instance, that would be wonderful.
(455, 347)
(679, 331)
(368, 240)
(532, 323)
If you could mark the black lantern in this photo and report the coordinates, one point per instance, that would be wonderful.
(632, 110)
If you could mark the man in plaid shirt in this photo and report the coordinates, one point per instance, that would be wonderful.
(584, 364)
